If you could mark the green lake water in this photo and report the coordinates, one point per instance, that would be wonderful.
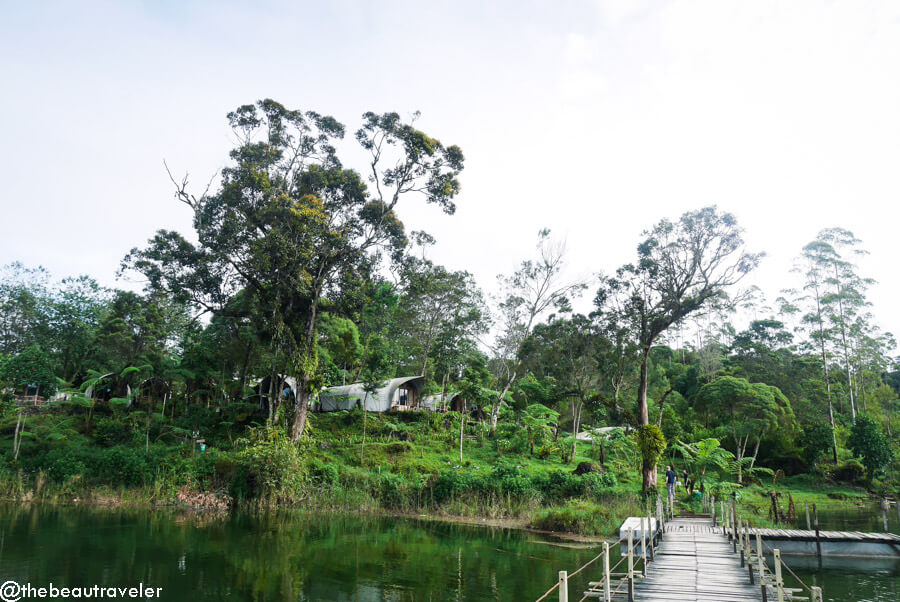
(298, 556)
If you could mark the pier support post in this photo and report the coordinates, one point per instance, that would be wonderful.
(779, 582)
(762, 568)
(884, 504)
(630, 566)
(734, 530)
(816, 526)
(563, 586)
(643, 549)
(606, 591)
(806, 506)
(749, 550)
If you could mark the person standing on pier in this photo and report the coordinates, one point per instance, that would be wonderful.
(670, 481)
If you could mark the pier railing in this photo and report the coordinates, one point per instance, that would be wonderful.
(752, 551)
(769, 579)
(614, 581)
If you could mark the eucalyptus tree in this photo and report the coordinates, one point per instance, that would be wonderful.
(528, 294)
(847, 295)
(565, 350)
(438, 309)
(289, 222)
(683, 267)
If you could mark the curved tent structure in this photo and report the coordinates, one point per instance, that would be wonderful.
(398, 393)
(451, 401)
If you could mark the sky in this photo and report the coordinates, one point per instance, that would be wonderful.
(593, 119)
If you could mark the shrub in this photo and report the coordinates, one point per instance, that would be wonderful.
(64, 463)
(509, 479)
(323, 472)
(123, 466)
(851, 471)
(598, 483)
(869, 443)
(452, 483)
(110, 432)
(269, 469)
(559, 484)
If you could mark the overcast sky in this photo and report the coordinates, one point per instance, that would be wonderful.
(594, 119)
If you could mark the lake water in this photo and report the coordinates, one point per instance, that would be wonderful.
(296, 556)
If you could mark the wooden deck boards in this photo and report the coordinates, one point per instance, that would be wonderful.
(694, 562)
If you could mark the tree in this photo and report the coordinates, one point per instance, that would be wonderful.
(815, 441)
(565, 350)
(748, 411)
(531, 291)
(438, 310)
(868, 442)
(683, 267)
(289, 222)
(31, 368)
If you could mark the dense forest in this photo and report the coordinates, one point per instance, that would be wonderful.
(299, 269)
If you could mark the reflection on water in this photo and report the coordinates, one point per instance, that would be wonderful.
(295, 556)
(284, 556)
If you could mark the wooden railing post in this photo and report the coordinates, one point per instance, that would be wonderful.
(779, 582)
(734, 531)
(816, 526)
(563, 586)
(816, 594)
(630, 566)
(884, 514)
(714, 517)
(749, 550)
(606, 591)
(760, 561)
(650, 534)
(806, 507)
(740, 538)
(643, 549)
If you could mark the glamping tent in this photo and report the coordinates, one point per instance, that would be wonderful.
(402, 393)
(453, 401)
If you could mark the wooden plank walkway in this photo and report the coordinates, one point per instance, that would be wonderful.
(843, 536)
(695, 562)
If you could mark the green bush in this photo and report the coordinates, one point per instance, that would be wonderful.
(123, 466)
(851, 471)
(451, 483)
(64, 463)
(110, 432)
(323, 472)
(509, 479)
(559, 484)
(269, 470)
(598, 483)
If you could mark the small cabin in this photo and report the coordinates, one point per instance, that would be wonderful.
(404, 393)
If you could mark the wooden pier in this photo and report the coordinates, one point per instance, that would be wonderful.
(688, 558)
(695, 561)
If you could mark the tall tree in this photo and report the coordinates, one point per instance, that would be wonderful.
(288, 221)
(683, 267)
(529, 293)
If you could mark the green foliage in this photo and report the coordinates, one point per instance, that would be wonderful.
(123, 466)
(815, 441)
(31, 368)
(110, 432)
(651, 443)
(870, 444)
(852, 471)
(269, 469)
